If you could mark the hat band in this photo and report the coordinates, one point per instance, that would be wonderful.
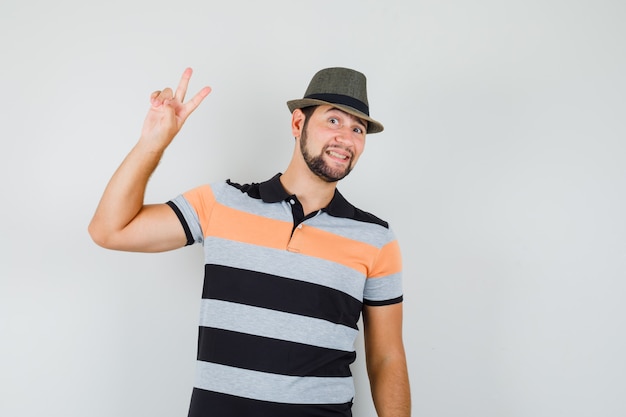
(341, 99)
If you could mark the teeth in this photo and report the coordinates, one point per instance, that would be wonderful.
(336, 155)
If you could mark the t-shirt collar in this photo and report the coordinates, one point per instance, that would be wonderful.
(272, 191)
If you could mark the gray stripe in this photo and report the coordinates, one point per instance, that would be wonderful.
(272, 387)
(385, 288)
(232, 197)
(276, 325)
(286, 264)
(191, 217)
(370, 233)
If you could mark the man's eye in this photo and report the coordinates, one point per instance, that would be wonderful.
(358, 130)
(334, 121)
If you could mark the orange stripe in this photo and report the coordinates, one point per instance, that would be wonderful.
(389, 261)
(202, 200)
(237, 225)
(228, 223)
(342, 250)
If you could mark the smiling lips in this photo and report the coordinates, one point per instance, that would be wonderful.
(339, 153)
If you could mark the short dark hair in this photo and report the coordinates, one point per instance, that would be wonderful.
(308, 112)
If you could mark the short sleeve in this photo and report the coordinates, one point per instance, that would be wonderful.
(383, 285)
(193, 209)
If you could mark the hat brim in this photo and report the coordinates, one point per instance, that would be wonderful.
(373, 126)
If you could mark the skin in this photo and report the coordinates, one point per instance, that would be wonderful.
(336, 139)
(331, 141)
(342, 152)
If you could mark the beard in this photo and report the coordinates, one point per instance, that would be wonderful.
(319, 167)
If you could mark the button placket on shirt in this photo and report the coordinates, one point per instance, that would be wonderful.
(296, 234)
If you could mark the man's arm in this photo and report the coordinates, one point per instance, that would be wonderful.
(122, 221)
(386, 360)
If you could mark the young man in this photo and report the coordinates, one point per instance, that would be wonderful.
(289, 264)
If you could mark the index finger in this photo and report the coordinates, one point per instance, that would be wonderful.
(181, 90)
(193, 104)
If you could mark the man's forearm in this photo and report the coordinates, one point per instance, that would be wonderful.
(121, 220)
(389, 383)
(123, 196)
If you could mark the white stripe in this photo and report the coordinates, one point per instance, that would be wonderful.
(276, 325)
(271, 387)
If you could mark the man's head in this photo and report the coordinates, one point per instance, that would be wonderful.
(330, 140)
(343, 88)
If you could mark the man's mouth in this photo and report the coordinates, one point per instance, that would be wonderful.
(339, 154)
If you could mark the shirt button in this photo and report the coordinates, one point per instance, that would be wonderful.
(292, 202)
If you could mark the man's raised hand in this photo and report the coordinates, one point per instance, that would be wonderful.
(168, 112)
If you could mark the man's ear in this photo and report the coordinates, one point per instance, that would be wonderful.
(297, 123)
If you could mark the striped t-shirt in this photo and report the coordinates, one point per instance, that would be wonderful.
(282, 297)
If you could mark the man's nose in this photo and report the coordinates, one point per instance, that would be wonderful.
(344, 134)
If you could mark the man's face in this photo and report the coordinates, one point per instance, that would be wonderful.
(332, 142)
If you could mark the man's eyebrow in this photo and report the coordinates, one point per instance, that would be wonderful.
(358, 119)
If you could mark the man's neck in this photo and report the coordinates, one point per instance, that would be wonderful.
(313, 193)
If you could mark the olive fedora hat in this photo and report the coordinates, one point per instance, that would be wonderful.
(342, 88)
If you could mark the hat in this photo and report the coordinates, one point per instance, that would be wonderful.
(342, 88)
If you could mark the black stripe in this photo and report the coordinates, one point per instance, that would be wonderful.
(383, 302)
(281, 294)
(341, 99)
(212, 404)
(275, 356)
(181, 218)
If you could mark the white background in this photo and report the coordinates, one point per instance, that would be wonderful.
(501, 169)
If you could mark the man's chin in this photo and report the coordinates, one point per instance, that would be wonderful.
(334, 176)
(323, 170)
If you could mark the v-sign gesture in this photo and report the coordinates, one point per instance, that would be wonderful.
(122, 220)
(168, 112)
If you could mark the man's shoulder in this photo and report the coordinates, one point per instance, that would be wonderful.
(340, 207)
(367, 217)
(251, 189)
